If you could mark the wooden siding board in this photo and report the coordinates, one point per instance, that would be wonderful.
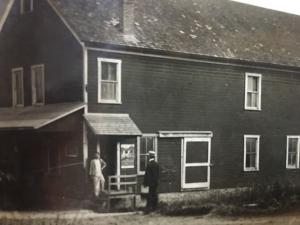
(161, 94)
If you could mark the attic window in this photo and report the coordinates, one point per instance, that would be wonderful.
(26, 6)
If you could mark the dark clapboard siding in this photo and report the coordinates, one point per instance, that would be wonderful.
(40, 37)
(162, 94)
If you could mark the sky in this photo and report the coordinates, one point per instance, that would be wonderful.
(289, 6)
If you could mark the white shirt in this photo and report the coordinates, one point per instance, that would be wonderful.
(95, 168)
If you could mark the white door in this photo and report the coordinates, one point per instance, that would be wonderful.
(196, 162)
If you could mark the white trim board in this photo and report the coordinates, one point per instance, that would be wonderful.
(184, 134)
(186, 59)
(85, 79)
(65, 22)
(6, 13)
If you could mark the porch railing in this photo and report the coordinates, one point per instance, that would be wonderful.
(122, 186)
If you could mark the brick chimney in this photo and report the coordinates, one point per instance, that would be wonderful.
(127, 16)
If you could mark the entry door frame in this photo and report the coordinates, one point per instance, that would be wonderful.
(184, 141)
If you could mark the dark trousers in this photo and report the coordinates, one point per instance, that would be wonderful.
(152, 199)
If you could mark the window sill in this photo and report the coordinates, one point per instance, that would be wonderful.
(38, 104)
(109, 102)
(253, 109)
(194, 189)
(250, 170)
(292, 168)
(18, 106)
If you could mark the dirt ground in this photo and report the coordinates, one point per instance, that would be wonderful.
(90, 218)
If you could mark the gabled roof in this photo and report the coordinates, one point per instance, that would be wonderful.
(218, 28)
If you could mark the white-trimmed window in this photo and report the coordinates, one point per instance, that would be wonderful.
(17, 87)
(251, 152)
(253, 91)
(146, 143)
(72, 150)
(292, 152)
(38, 84)
(26, 6)
(109, 80)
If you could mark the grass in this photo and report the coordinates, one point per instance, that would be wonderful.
(258, 199)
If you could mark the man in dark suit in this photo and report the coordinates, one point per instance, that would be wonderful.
(151, 180)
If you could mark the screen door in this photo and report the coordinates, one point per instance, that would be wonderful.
(196, 163)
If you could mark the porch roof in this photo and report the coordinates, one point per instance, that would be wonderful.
(112, 124)
(35, 117)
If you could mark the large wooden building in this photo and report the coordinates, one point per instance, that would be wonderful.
(211, 86)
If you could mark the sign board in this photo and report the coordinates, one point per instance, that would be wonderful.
(127, 156)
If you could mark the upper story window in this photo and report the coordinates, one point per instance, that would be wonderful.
(251, 152)
(292, 152)
(109, 80)
(253, 91)
(38, 84)
(26, 6)
(148, 142)
(17, 87)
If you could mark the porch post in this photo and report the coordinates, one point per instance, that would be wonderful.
(85, 146)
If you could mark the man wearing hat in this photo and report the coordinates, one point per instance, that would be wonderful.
(151, 181)
(96, 167)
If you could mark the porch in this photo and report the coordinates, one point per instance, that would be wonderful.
(114, 136)
(41, 152)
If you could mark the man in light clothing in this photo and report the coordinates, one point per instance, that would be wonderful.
(96, 167)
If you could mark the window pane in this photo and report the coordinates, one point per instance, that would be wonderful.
(254, 100)
(251, 152)
(292, 151)
(252, 83)
(146, 144)
(249, 99)
(251, 160)
(150, 143)
(18, 87)
(293, 142)
(143, 162)
(251, 145)
(292, 160)
(143, 149)
(196, 174)
(108, 90)
(196, 152)
(109, 71)
(27, 5)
